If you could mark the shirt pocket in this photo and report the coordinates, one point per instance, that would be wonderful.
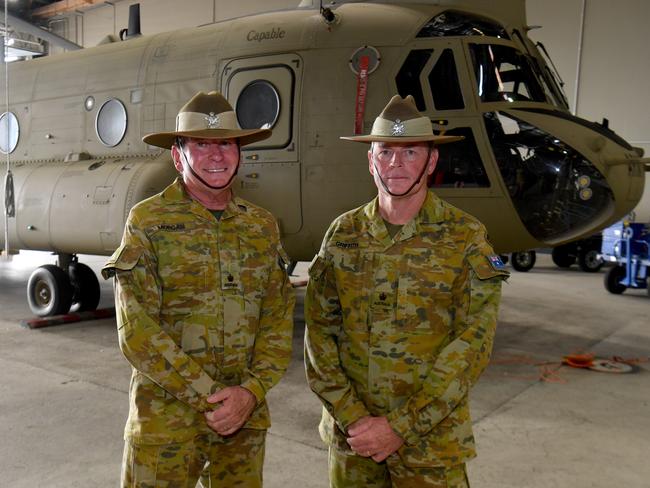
(184, 261)
(424, 297)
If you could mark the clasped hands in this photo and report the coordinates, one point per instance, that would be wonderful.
(373, 437)
(237, 405)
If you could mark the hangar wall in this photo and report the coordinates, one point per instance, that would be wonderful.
(599, 47)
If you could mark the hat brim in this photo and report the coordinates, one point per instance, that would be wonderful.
(432, 138)
(244, 136)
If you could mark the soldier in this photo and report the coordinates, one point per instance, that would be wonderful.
(401, 312)
(204, 312)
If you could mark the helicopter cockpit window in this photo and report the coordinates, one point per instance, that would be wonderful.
(459, 164)
(258, 105)
(553, 187)
(408, 78)
(503, 74)
(444, 83)
(110, 123)
(452, 23)
(9, 132)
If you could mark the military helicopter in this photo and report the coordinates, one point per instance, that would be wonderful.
(536, 175)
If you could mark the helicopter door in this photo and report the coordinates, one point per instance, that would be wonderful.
(263, 92)
(430, 73)
(435, 73)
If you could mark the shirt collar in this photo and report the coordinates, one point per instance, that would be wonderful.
(176, 193)
(431, 212)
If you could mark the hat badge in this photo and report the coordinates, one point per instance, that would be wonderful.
(398, 128)
(213, 120)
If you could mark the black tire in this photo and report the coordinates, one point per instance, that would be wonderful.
(85, 285)
(613, 277)
(49, 291)
(589, 261)
(523, 261)
(562, 258)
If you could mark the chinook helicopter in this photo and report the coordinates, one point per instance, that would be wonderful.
(535, 174)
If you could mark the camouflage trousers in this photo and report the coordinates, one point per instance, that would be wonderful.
(236, 460)
(349, 470)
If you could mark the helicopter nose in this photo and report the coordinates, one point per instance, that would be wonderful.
(557, 191)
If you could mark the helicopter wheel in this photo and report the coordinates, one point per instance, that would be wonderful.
(589, 261)
(613, 279)
(523, 261)
(562, 257)
(49, 291)
(85, 287)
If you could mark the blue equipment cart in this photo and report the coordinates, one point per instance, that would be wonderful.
(627, 245)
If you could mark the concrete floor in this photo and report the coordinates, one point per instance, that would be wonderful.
(63, 393)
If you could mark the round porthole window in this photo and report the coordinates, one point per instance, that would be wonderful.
(110, 123)
(9, 132)
(258, 105)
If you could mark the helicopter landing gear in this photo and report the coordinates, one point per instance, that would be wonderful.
(49, 291)
(66, 286)
(563, 257)
(523, 261)
(86, 287)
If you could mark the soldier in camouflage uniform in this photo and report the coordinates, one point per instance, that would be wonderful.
(204, 313)
(401, 311)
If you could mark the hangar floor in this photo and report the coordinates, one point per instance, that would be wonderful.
(63, 393)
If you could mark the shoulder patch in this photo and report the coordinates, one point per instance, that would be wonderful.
(124, 258)
(496, 262)
(485, 268)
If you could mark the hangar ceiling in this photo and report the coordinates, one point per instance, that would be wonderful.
(27, 32)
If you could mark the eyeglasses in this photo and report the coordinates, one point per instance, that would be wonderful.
(406, 155)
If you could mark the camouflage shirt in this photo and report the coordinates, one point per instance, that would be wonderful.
(201, 304)
(403, 327)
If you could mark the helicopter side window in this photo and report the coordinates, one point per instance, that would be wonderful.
(554, 188)
(258, 105)
(408, 78)
(504, 74)
(459, 164)
(9, 132)
(111, 122)
(445, 87)
(453, 23)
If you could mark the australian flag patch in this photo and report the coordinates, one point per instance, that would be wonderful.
(496, 262)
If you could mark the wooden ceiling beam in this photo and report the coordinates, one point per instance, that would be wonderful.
(62, 7)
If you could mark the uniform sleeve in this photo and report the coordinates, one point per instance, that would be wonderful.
(145, 345)
(273, 341)
(323, 321)
(458, 366)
